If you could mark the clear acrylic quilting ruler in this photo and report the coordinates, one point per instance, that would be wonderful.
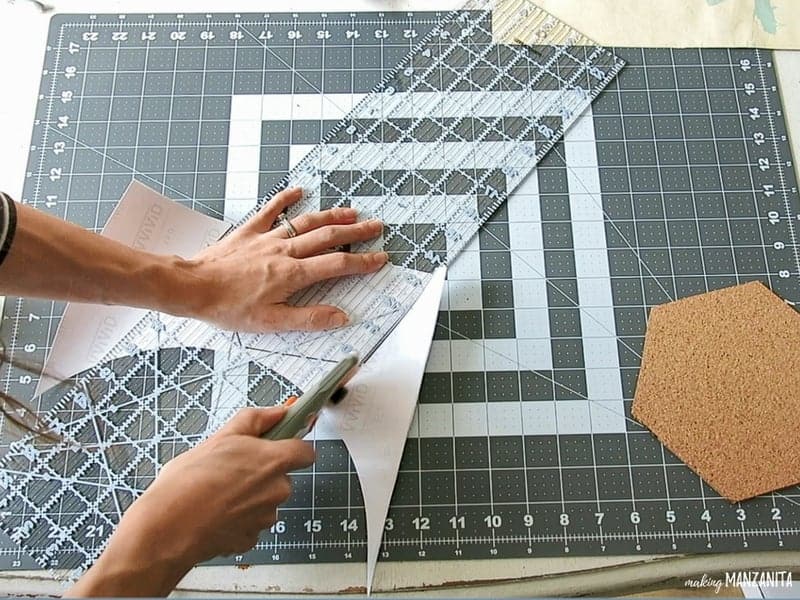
(457, 127)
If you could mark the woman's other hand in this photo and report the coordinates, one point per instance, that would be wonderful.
(243, 281)
(212, 500)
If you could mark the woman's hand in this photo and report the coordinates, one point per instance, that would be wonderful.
(212, 500)
(243, 281)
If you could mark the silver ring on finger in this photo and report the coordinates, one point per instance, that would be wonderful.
(287, 225)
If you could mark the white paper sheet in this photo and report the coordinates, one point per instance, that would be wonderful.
(374, 418)
(679, 23)
(146, 220)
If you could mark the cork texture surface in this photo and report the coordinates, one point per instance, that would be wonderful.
(720, 387)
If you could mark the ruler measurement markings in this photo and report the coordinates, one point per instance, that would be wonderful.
(40, 177)
(763, 89)
(782, 188)
(780, 168)
(457, 533)
(43, 149)
(67, 194)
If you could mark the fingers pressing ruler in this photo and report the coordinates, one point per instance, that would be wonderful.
(432, 151)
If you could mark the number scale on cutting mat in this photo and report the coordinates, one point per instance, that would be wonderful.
(522, 445)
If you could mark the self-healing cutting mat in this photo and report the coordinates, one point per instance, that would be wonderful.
(678, 181)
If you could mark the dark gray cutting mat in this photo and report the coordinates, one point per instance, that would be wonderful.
(693, 181)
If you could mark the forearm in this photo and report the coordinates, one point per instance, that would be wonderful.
(51, 258)
(244, 282)
(240, 480)
(142, 559)
(122, 574)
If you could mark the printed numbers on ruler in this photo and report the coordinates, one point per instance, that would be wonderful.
(426, 531)
(58, 134)
(47, 182)
(469, 535)
(197, 29)
(56, 131)
(774, 184)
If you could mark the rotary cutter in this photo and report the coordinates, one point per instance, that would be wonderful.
(303, 410)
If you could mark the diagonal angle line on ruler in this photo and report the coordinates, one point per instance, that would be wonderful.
(607, 464)
(525, 100)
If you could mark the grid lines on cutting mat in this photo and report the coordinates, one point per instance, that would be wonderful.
(512, 453)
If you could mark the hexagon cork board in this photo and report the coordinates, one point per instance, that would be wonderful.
(720, 387)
